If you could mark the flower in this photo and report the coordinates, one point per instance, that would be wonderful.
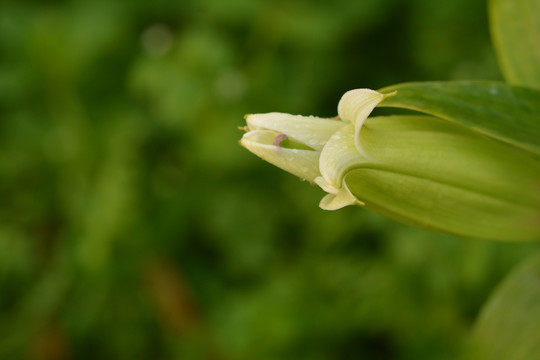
(417, 169)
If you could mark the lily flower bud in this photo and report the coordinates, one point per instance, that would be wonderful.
(417, 169)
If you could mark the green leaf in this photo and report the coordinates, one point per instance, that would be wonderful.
(508, 113)
(515, 28)
(509, 325)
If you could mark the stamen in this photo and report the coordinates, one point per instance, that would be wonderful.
(279, 139)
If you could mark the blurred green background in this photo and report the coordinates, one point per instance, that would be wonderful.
(133, 225)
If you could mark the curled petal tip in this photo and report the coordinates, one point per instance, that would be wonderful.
(390, 94)
(338, 201)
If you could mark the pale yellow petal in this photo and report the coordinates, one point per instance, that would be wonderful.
(339, 200)
(355, 107)
(309, 130)
(302, 163)
(339, 156)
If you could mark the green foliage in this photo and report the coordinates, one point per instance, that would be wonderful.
(516, 35)
(507, 113)
(508, 327)
(132, 225)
